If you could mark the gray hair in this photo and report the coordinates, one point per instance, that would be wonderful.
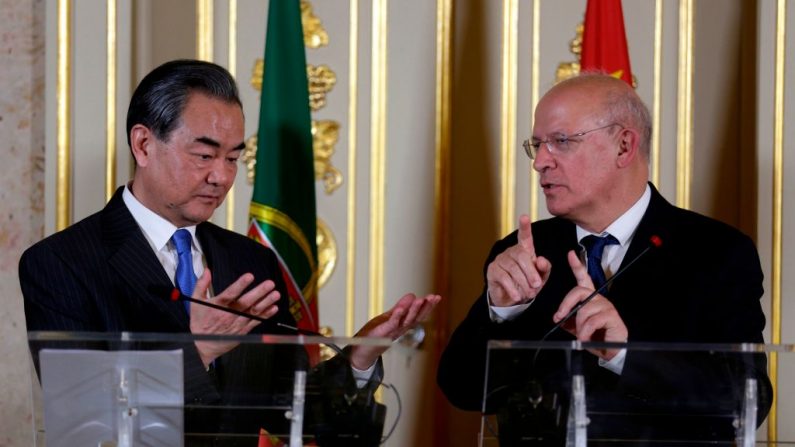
(620, 103)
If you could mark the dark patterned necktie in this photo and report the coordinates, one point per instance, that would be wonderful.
(185, 278)
(594, 247)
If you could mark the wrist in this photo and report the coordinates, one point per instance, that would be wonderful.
(363, 358)
(206, 358)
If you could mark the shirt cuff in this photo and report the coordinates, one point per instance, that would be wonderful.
(507, 313)
(616, 364)
(362, 376)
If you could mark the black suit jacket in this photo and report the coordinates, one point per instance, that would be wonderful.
(702, 285)
(101, 275)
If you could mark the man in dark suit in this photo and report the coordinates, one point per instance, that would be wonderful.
(590, 146)
(114, 271)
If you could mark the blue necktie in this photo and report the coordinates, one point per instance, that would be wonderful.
(594, 246)
(185, 277)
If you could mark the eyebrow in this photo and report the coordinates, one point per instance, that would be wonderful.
(210, 142)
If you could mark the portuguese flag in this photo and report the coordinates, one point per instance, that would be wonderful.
(283, 213)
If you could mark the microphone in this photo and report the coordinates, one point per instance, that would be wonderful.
(654, 242)
(338, 407)
(531, 399)
(177, 295)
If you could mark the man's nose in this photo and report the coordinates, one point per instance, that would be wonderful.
(222, 172)
(543, 158)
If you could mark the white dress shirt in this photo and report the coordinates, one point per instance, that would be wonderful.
(158, 232)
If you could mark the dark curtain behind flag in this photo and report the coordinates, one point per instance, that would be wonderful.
(283, 213)
(604, 41)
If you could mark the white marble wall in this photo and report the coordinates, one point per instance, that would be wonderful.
(21, 196)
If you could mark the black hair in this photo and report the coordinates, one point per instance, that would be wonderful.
(160, 98)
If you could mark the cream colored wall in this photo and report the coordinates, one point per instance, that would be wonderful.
(731, 181)
(21, 191)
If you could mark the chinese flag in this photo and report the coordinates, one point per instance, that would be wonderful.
(604, 42)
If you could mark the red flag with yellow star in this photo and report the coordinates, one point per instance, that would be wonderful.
(604, 42)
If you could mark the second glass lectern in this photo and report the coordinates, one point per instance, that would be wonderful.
(559, 394)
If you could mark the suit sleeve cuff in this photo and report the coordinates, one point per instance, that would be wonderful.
(362, 376)
(616, 364)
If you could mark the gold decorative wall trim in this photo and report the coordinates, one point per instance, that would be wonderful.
(325, 134)
(778, 205)
(204, 30)
(315, 36)
(684, 112)
(321, 79)
(508, 116)
(232, 38)
(442, 148)
(326, 252)
(63, 189)
(568, 70)
(232, 66)
(378, 156)
(256, 74)
(350, 244)
(249, 157)
(535, 69)
(657, 94)
(110, 102)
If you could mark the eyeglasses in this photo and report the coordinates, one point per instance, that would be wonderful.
(558, 144)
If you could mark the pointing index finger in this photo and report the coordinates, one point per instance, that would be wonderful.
(525, 235)
(579, 270)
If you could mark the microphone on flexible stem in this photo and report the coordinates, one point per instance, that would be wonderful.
(654, 242)
(176, 295)
(535, 391)
(372, 417)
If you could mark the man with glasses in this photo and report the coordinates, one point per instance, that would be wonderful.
(590, 147)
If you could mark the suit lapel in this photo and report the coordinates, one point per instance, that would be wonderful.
(653, 223)
(131, 256)
(220, 261)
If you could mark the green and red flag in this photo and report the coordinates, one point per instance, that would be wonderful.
(283, 213)
(604, 41)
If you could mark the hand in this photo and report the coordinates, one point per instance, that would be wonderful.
(260, 301)
(391, 324)
(517, 275)
(596, 321)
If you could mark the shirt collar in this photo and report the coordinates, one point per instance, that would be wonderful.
(156, 229)
(624, 227)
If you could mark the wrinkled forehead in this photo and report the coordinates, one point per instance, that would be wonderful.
(564, 110)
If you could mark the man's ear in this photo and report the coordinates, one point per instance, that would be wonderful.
(141, 144)
(628, 146)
